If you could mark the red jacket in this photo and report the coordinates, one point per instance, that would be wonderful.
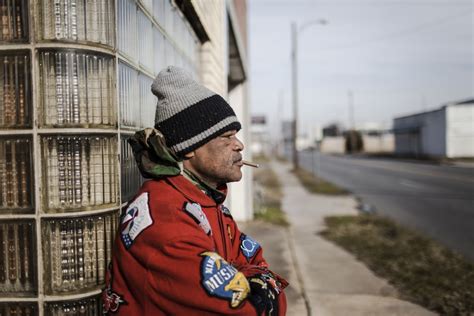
(177, 252)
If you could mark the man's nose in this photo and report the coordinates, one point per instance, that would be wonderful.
(239, 146)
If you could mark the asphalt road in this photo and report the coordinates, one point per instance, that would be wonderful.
(436, 200)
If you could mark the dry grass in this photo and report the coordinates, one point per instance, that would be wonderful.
(267, 196)
(423, 271)
(317, 185)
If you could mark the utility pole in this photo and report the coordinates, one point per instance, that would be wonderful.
(350, 101)
(294, 77)
(280, 149)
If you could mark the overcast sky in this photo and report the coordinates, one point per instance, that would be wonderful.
(397, 57)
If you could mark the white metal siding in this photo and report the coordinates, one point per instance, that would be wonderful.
(460, 131)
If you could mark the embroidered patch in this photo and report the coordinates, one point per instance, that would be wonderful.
(195, 211)
(248, 246)
(111, 301)
(225, 211)
(136, 218)
(223, 280)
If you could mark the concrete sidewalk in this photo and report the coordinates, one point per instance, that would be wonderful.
(324, 278)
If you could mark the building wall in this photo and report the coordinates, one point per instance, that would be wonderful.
(241, 13)
(333, 145)
(384, 143)
(422, 134)
(69, 100)
(213, 54)
(240, 199)
(460, 131)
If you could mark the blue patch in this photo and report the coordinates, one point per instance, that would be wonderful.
(225, 211)
(248, 246)
(222, 280)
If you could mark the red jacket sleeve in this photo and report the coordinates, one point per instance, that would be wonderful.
(247, 257)
(248, 254)
(187, 273)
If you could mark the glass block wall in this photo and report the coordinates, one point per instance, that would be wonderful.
(74, 87)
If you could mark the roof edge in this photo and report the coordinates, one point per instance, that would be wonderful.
(189, 11)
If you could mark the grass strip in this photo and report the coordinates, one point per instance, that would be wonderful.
(317, 185)
(267, 197)
(422, 270)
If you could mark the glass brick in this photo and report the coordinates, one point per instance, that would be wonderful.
(148, 4)
(128, 96)
(15, 90)
(147, 101)
(14, 19)
(18, 309)
(168, 17)
(16, 175)
(79, 172)
(131, 177)
(78, 20)
(89, 307)
(127, 28)
(158, 50)
(17, 255)
(159, 11)
(79, 251)
(145, 41)
(78, 89)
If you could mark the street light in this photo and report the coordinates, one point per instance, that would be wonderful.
(294, 65)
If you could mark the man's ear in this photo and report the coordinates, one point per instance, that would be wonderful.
(189, 155)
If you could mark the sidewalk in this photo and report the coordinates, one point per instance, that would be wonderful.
(325, 279)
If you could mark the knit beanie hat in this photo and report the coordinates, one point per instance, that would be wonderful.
(188, 114)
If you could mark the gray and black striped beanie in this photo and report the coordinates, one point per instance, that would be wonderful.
(188, 114)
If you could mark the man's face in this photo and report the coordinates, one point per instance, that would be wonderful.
(218, 161)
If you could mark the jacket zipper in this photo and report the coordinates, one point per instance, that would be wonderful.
(221, 227)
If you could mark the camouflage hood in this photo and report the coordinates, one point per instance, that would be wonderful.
(154, 158)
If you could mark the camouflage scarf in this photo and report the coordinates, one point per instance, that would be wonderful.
(155, 160)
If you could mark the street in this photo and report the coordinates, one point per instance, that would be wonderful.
(435, 200)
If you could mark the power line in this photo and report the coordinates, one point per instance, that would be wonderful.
(410, 31)
(357, 3)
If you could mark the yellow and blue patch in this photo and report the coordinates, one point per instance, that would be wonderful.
(248, 246)
(222, 280)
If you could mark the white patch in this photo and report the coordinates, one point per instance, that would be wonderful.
(195, 210)
(136, 219)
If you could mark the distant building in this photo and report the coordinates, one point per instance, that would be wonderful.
(376, 138)
(260, 135)
(369, 138)
(445, 132)
(332, 130)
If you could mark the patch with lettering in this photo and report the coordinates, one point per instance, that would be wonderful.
(248, 246)
(195, 211)
(135, 220)
(222, 280)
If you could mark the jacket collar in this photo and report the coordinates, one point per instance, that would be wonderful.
(196, 193)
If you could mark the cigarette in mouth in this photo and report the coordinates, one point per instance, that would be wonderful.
(251, 164)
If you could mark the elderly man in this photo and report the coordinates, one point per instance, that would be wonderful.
(178, 250)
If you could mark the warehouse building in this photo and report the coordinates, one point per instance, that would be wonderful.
(445, 132)
(74, 86)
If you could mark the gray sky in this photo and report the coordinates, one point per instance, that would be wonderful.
(397, 56)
